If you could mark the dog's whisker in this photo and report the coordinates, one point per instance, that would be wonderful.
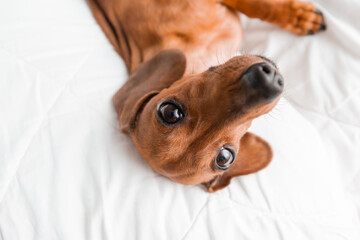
(217, 57)
(287, 94)
(205, 64)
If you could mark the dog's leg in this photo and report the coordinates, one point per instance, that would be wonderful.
(296, 16)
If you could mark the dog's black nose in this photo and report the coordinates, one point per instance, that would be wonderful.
(264, 78)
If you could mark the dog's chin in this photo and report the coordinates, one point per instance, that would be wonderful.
(190, 179)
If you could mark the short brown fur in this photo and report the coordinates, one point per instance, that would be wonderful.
(218, 107)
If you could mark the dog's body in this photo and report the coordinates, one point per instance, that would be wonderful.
(200, 29)
(180, 116)
(203, 30)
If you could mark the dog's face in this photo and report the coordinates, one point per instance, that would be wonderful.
(193, 129)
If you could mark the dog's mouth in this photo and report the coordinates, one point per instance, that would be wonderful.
(208, 184)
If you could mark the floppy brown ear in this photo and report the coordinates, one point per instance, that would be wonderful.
(255, 154)
(103, 12)
(146, 81)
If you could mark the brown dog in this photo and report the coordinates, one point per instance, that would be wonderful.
(190, 124)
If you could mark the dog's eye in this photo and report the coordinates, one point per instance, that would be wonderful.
(170, 113)
(224, 158)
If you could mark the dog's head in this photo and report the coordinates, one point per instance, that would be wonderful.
(193, 129)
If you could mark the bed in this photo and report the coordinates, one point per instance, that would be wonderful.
(66, 172)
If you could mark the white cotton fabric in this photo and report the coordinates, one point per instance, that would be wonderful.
(66, 172)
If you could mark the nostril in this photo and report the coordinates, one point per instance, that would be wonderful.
(264, 82)
(266, 69)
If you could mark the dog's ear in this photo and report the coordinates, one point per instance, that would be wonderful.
(112, 29)
(255, 154)
(145, 82)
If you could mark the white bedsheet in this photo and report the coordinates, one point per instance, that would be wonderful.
(66, 172)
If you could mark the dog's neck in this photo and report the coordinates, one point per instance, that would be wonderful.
(205, 41)
(200, 55)
(141, 29)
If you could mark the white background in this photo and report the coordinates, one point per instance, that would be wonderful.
(66, 172)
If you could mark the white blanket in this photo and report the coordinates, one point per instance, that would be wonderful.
(66, 172)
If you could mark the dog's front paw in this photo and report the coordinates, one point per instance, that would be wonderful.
(304, 19)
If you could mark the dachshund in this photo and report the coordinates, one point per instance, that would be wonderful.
(187, 115)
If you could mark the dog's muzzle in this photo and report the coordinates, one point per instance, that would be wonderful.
(264, 79)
